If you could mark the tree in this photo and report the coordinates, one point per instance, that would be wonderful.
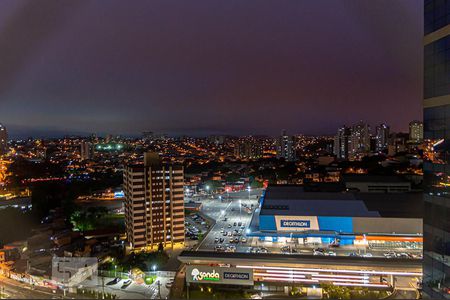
(256, 184)
(15, 225)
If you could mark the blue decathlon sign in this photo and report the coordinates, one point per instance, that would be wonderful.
(295, 223)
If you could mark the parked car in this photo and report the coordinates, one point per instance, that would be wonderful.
(114, 281)
(126, 284)
(390, 254)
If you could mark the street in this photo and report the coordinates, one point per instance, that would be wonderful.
(12, 289)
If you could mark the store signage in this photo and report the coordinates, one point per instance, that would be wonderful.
(236, 275)
(219, 275)
(296, 223)
(204, 276)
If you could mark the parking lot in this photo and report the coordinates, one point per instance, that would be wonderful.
(128, 289)
(233, 215)
(195, 226)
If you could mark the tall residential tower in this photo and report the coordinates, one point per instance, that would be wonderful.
(342, 143)
(416, 131)
(285, 147)
(359, 140)
(3, 139)
(381, 137)
(436, 103)
(154, 203)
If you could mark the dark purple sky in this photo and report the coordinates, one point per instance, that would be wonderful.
(200, 67)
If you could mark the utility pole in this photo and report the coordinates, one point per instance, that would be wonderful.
(187, 294)
(103, 287)
(159, 288)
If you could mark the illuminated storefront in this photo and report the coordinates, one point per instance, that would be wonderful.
(287, 214)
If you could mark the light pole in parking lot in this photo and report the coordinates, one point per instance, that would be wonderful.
(240, 209)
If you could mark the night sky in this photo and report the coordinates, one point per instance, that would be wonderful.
(208, 67)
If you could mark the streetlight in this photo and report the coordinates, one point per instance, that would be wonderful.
(154, 269)
(240, 209)
(249, 189)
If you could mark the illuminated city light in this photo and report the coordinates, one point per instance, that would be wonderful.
(358, 284)
(370, 272)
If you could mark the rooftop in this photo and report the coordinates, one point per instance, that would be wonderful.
(293, 200)
(373, 178)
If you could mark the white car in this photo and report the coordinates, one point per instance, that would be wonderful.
(390, 255)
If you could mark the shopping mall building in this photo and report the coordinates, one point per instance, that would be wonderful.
(289, 214)
(280, 273)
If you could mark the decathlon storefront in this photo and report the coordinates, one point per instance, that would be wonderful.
(288, 214)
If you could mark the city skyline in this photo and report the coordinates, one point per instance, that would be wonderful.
(206, 74)
(21, 133)
(225, 149)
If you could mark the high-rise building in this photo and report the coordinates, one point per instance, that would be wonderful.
(397, 143)
(86, 150)
(3, 139)
(381, 137)
(248, 147)
(285, 147)
(436, 103)
(359, 140)
(154, 203)
(416, 131)
(342, 143)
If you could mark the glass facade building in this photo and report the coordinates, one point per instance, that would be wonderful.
(436, 280)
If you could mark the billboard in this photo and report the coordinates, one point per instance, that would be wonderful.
(296, 223)
(219, 275)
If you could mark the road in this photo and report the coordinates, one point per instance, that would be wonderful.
(16, 290)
